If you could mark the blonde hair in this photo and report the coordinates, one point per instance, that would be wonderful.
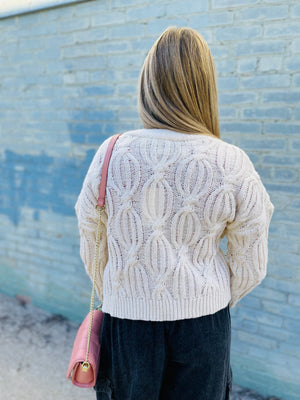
(177, 88)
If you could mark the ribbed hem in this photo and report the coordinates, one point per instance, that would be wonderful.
(165, 310)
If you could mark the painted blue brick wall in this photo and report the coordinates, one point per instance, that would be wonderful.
(69, 80)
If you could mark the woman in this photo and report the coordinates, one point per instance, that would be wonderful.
(174, 189)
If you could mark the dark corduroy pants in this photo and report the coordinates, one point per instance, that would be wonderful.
(186, 359)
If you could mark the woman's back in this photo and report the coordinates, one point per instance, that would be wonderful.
(174, 189)
(169, 198)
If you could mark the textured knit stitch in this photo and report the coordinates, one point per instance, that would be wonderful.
(170, 198)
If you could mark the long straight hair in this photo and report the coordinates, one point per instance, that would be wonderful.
(177, 87)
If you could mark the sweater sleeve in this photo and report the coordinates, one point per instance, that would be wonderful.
(247, 234)
(87, 217)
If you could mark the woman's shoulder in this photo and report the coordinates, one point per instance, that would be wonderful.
(233, 160)
(232, 148)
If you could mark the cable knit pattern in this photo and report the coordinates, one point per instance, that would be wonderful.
(170, 198)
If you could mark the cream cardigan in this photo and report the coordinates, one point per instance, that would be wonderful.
(170, 198)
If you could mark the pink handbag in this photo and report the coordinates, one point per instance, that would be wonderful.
(85, 357)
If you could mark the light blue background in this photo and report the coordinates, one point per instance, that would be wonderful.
(68, 80)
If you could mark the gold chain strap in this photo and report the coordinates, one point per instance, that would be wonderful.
(100, 210)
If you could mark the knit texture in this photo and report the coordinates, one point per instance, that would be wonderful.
(170, 198)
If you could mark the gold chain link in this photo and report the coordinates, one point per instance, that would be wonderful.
(100, 210)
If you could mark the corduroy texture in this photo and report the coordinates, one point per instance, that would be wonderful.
(170, 197)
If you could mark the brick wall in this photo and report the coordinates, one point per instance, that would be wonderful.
(68, 80)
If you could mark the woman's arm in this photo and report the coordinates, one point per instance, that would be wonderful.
(247, 234)
(87, 216)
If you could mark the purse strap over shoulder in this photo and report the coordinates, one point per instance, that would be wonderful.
(101, 198)
(100, 209)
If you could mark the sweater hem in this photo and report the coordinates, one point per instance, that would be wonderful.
(166, 309)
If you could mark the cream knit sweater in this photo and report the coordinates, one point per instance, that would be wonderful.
(170, 198)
